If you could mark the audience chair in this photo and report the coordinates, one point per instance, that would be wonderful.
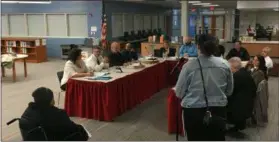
(60, 76)
(36, 133)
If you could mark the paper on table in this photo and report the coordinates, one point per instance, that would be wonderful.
(100, 74)
(88, 133)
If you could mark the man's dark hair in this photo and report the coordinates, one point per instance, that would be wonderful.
(238, 42)
(42, 96)
(74, 54)
(72, 46)
(97, 47)
(207, 44)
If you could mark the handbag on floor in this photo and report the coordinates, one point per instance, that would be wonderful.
(209, 119)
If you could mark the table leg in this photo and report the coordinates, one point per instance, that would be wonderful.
(25, 68)
(14, 72)
(3, 71)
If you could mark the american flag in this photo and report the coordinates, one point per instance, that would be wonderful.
(104, 30)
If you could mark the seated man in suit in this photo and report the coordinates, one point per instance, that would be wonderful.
(188, 49)
(129, 53)
(238, 51)
(167, 50)
(115, 57)
(241, 102)
(96, 62)
(54, 121)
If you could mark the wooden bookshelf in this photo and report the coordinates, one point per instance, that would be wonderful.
(35, 48)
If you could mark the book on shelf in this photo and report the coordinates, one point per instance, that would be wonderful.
(24, 50)
(37, 42)
(43, 42)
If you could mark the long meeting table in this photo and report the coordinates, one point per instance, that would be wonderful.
(105, 100)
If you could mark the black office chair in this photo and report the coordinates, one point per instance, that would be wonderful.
(36, 133)
(31, 132)
(158, 53)
(60, 76)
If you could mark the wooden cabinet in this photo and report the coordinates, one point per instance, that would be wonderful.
(35, 48)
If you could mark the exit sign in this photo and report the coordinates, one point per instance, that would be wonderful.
(211, 8)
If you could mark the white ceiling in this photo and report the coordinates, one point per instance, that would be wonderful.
(176, 3)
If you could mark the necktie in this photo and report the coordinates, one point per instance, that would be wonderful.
(98, 62)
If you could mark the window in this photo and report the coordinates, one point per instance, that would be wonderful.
(44, 25)
(76, 24)
(17, 25)
(4, 25)
(117, 29)
(154, 22)
(138, 22)
(147, 22)
(162, 22)
(128, 22)
(36, 25)
(56, 25)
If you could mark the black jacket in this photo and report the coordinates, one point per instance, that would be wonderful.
(242, 54)
(116, 59)
(55, 122)
(172, 51)
(240, 103)
(129, 55)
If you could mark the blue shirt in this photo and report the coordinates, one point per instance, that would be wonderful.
(218, 82)
(191, 50)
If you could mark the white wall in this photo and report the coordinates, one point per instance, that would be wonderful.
(263, 4)
(265, 18)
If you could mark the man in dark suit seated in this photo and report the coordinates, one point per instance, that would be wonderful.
(238, 51)
(129, 53)
(167, 50)
(241, 102)
(115, 57)
(54, 121)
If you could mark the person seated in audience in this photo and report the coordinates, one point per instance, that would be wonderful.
(166, 50)
(72, 46)
(259, 70)
(74, 67)
(188, 49)
(241, 102)
(96, 62)
(268, 61)
(54, 121)
(129, 53)
(220, 49)
(115, 57)
(238, 51)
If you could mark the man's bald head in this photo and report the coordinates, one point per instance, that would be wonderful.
(115, 47)
(187, 39)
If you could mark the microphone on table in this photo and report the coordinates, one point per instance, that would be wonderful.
(119, 68)
(182, 59)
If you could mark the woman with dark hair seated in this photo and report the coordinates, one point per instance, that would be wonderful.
(203, 85)
(259, 70)
(54, 122)
(74, 67)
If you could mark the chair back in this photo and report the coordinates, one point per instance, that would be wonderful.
(60, 76)
(157, 53)
(261, 103)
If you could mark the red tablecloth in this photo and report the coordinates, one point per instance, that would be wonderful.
(174, 109)
(105, 101)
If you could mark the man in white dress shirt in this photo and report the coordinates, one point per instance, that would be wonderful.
(96, 62)
(268, 61)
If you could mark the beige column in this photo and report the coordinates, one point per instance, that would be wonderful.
(184, 17)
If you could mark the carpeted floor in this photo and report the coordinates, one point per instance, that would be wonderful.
(147, 121)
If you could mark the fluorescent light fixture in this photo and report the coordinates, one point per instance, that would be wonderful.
(28, 2)
(201, 3)
(212, 5)
(194, 2)
(9, 1)
(276, 9)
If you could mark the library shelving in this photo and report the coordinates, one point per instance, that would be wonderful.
(35, 48)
